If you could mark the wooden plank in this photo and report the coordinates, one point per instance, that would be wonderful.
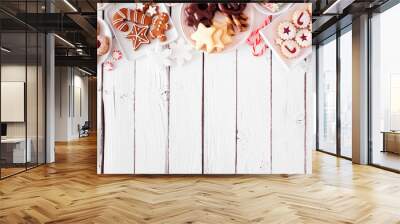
(310, 90)
(151, 119)
(185, 117)
(288, 123)
(253, 113)
(100, 130)
(220, 113)
(119, 113)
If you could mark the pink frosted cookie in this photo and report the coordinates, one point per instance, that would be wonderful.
(301, 18)
(304, 38)
(309, 9)
(286, 30)
(290, 49)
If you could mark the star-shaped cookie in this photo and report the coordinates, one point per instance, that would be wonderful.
(153, 10)
(217, 37)
(138, 35)
(226, 38)
(204, 37)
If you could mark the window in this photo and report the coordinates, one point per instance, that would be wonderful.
(22, 77)
(346, 94)
(335, 74)
(327, 97)
(385, 89)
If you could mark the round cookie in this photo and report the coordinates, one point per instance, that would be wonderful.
(304, 38)
(103, 45)
(290, 49)
(200, 13)
(301, 18)
(286, 31)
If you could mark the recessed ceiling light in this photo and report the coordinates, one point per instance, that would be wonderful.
(84, 71)
(64, 40)
(5, 50)
(337, 7)
(70, 5)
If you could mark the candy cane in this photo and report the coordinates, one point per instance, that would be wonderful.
(255, 39)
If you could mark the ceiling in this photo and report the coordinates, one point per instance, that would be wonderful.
(75, 24)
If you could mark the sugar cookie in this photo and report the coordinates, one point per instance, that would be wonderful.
(290, 49)
(304, 38)
(301, 18)
(204, 37)
(226, 38)
(286, 30)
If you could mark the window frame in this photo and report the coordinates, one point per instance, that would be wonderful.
(334, 37)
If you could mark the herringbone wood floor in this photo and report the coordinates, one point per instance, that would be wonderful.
(69, 191)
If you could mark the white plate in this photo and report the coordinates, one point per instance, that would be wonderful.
(265, 11)
(270, 34)
(126, 44)
(237, 39)
(105, 31)
(102, 6)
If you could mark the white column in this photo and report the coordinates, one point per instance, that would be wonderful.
(50, 99)
(360, 90)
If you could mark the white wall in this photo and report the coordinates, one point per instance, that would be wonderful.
(17, 73)
(67, 117)
(33, 126)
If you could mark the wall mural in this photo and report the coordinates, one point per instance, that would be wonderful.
(204, 88)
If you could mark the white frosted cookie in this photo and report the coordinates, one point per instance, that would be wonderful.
(304, 38)
(286, 30)
(290, 49)
(301, 18)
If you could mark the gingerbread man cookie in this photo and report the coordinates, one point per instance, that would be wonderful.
(160, 26)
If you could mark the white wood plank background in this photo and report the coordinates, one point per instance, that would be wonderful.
(185, 115)
(220, 113)
(100, 126)
(288, 124)
(254, 113)
(229, 113)
(118, 96)
(151, 119)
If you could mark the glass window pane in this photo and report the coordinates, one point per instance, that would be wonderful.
(23, 86)
(327, 97)
(13, 87)
(346, 94)
(41, 99)
(385, 95)
(31, 101)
